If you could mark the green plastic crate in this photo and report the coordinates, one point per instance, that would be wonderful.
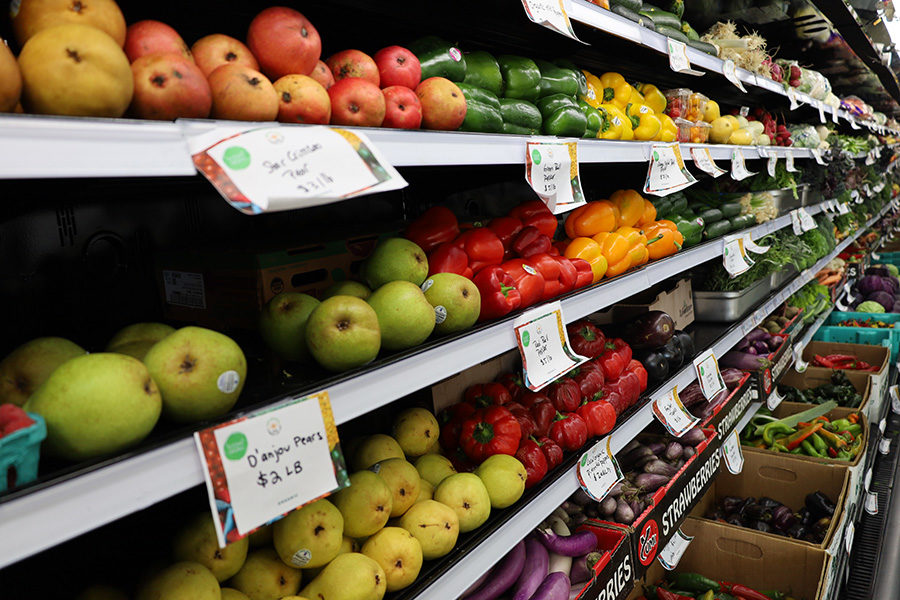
(861, 335)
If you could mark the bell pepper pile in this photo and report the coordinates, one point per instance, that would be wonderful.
(843, 362)
(693, 586)
(819, 437)
(625, 111)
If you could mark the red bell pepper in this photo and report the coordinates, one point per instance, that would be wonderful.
(627, 386)
(568, 274)
(614, 358)
(449, 258)
(529, 242)
(552, 452)
(451, 420)
(437, 225)
(635, 366)
(482, 395)
(482, 246)
(585, 276)
(589, 377)
(559, 277)
(543, 412)
(599, 415)
(536, 214)
(523, 416)
(506, 229)
(529, 282)
(532, 458)
(569, 431)
(586, 338)
(530, 398)
(490, 431)
(513, 384)
(609, 394)
(564, 394)
(499, 295)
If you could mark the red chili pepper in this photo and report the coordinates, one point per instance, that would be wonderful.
(532, 458)
(448, 258)
(499, 295)
(589, 377)
(736, 589)
(585, 276)
(586, 338)
(536, 214)
(513, 384)
(451, 420)
(528, 280)
(599, 415)
(490, 431)
(569, 431)
(482, 395)
(523, 416)
(565, 394)
(506, 229)
(437, 225)
(529, 242)
(832, 453)
(482, 246)
(543, 412)
(615, 357)
(635, 366)
(552, 452)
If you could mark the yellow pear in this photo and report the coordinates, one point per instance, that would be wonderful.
(310, 536)
(416, 429)
(398, 553)
(426, 490)
(182, 581)
(30, 365)
(265, 577)
(373, 449)
(435, 525)
(504, 477)
(402, 479)
(465, 494)
(351, 576)
(365, 505)
(198, 542)
(434, 468)
(233, 594)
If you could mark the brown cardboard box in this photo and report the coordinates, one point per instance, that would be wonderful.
(874, 355)
(814, 377)
(677, 302)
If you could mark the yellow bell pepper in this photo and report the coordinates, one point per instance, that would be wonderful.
(592, 218)
(639, 255)
(615, 249)
(617, 125)
(662, 240)
(630, 205)
(653, 98)
(615, 89)
(649, 214)
(594, 95)
(636, 97)
(591, 251)
(646, 125)
(669, 131)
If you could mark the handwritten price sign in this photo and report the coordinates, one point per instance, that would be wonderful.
(544, 345)
(551, 169)
(598, 470)
(667, 173)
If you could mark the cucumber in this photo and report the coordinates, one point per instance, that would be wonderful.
(632, 5)
(717, 229)
(742, 222)
(675, 34)
(711, 215)
(661, 18)
(730, 209)
(624, 11)
(703, 47)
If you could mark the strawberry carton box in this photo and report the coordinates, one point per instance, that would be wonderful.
(21, 435)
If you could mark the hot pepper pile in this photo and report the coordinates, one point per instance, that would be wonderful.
(809, 433)
(865, 323)
(680, 586)
(810, 523)
(840, 390)
(843, 362)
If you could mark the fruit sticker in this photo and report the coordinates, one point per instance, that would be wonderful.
(259, 466)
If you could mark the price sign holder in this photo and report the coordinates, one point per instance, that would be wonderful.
(708, 374)
(821, 107)
(732, 453)
(674, 550)
(853, 123)
(806, 221)
(796, 222)
(834, 115)
(704, 161)
(843, 209)
(800, 365)
(895, 400)
(818, 156)
(544, 345)
(678, 58)
(734, 256)
(672, 414)
(729, 70)
(774, 398)
(552, 14)
(884, 446)
(751, 246)
(772, 163)
(260, 467)
(789, 161)
(667, 172)
(739, 169)
(598, 470)
(793, 98)
(551, 169)
(871, 503)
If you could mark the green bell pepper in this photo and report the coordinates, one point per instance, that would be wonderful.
(521, 77)
(594, 120)
(561, 116)
(482, 110)
(518, 129)
(556, 80)
(520, 115)
(439, 58)
(482, 70)
(691, 229)
(579, 74)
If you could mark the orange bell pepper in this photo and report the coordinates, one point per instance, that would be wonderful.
(639, 255)
(649, 214)
(662, 241)
(592, 218)
(664, 223)
(592, 252)
(637, 245)
(630, 205)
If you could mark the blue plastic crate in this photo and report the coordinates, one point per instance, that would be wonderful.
(837, 316)
(861, 335)
(21, 450)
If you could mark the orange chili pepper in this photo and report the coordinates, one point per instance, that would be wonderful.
(592, 252)
(853, 417)
(592, 218)
(630, 205)
(649, 214)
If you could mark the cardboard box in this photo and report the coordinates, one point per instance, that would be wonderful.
(787, 481)
(677, 302)
(814, 377)
(731, 411)
(765, 379)
(874, 355)
(615, 571)
(450, 391)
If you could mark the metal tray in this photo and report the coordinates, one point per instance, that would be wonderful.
(727, 307)
(785, 201)
(777, 278)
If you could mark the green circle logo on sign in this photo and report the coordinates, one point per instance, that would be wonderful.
(235, 446)
(236, 158)
(526, 338)
(656, 156)
(536, 156)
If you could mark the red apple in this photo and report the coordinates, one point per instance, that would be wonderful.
(213, 51)
(353, 63)
(322, 74)
(355, 101)
(284, 42)
(398, 66)
(443, 104)
(302, 100)
(242, 94)
(168, 87)
(153, 37)
(402, 108)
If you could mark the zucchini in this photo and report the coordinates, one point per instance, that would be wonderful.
(742, 222)
(689, 31)
(632, 5)
(675, 34)
(624, 11)
(711, 215)
(676, 7)
(717, 229)
(703, 46)
(661, 18)
(730, 209)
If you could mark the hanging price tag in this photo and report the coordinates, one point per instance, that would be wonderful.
(551, 169)
(870, 157)
(871, 504)
(738, 166)
(895, 400)
(884, 446)
(704, 161)
(817, 155)
(834, 116)
(552, 14)
(732, 453)
(843, 208)
(261, 467)
(882, 424)
(789, 162)
(544, 345)
(674, 550)
(848, 537)
(598, 470)
(853, 123)
(856, 197)
(793, 98)
(806, 221)
(730, 73)
(708, 374)
(672, 413)
(751, 246)
(796, 223)
(667, 173)
(734, 256)
(772, 163)
(774, 399)
(678, 58)
(821, 106)
(800, 365)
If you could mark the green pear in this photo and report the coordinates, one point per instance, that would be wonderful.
(265, 577)
(373, 449)
(395, 259)
(365, 504)
(342, 333)
(504, 477)
(416, 430)
(200, 373)
(198, 543)
(233, 594)
(96, 404)
(434, 468)
(405, 317)
(261, 537)
(282, 324)
(348, 545)
(136, 350)
(101, 592)
(398, 553)
(456, 302)
(139, 332)
(351, 576)
(310, 536)
(467, 496)
(426, 490)
(435, 525)
(402, 479)
(435, 447)
(28, 366)
(182, 581)
(347, 288)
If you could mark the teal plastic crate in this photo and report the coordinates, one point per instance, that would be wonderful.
(861, 335)
(837, 316)
(20, 450)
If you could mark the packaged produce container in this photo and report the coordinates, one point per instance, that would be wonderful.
(692, 132)
(677, 102)
(20, 452)
(870, 336)
(696, 106)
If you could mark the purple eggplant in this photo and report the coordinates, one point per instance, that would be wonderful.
(657, 448)
(583, 567)
(744, 361)
(751, 350)
(673, 451)
(693, 437)
(477, 583)
(659, 467)
(580, 497)
(537, 564)
(624, 514)
(608, 506)
(504, 576)
(732, 377)
(762, 348)
(556, 586)
(689, 452)
(783, 518)
(691, 395)
(576, 544)
(650, 482)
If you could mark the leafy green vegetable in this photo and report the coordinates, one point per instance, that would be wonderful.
(870, 306)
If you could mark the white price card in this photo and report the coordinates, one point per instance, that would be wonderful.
(708, 374)
(672, 413)
(772, 163)
(800, 365)
(751, 246)
(552, 14)
(848, 537)
(551, 169)
(817, 155)
(774, 399)
(871, 503)
(730, 72)
(273, 168)
(843, 208)
(870, 157)
(834, 115)
(598, 471)
(789, 161)
(674, 550)
(867, 480)
(263, 466)
(544, 345)
(739, 169)
(821, 107)
(796, 222)
(882, 425)
(856, 197)
(793, 98)
(678, 58)
(853, 123)
(704, 161)
(884, 446)
(734, 256)
(732, 453)
(667, 172)
(806, 220)
(895, 400)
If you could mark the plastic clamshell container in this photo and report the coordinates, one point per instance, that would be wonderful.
(21, 450)
(677, 102)
(888, 336)
(690, 132)
(696, 106)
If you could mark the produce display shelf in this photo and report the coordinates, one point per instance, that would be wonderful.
(34, 520)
